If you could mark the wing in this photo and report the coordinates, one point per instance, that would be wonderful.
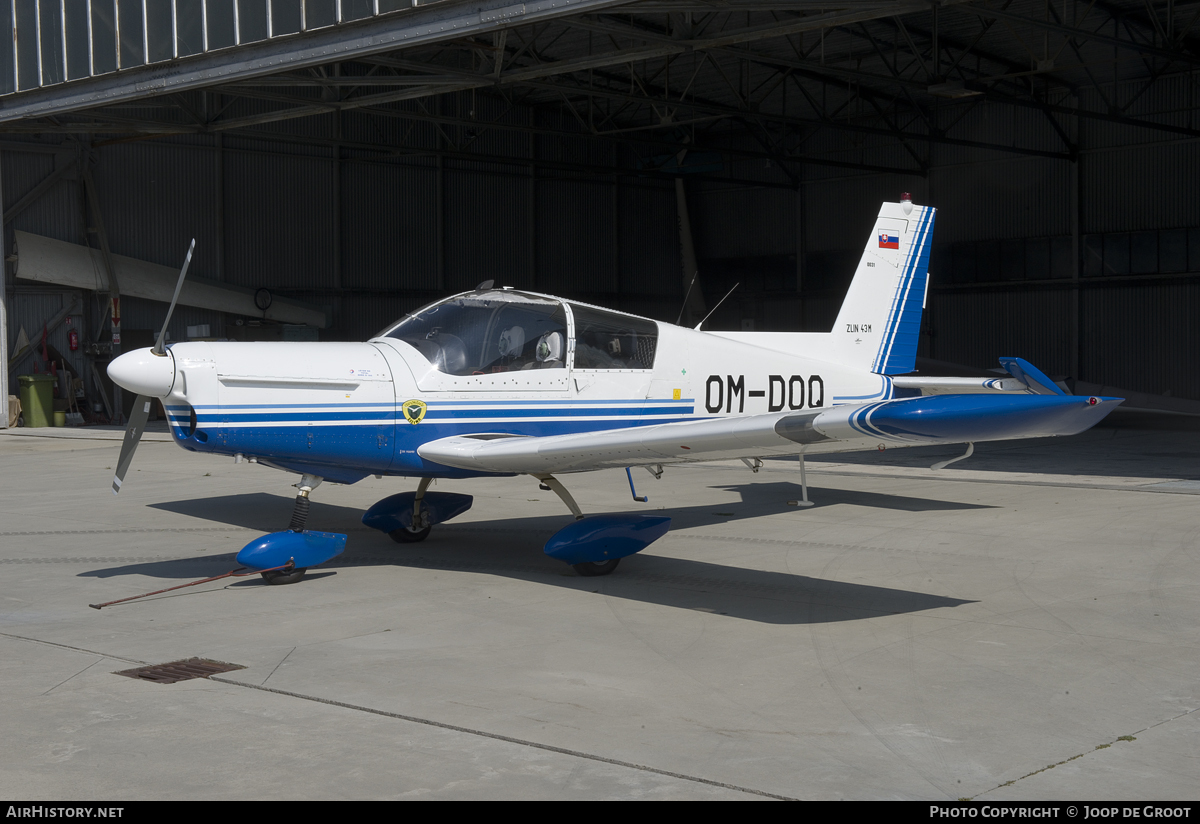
(928, 420)
(700, 440)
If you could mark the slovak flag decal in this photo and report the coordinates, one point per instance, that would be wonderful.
(887, 241)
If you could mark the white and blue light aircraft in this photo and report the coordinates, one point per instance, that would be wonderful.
(498, 381)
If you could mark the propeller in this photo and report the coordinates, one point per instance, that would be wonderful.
(141, 406)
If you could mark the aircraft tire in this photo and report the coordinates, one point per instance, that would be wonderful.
(590, 570)
(403, 535)
(279, 577)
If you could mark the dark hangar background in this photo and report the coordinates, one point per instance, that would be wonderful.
(368, 156)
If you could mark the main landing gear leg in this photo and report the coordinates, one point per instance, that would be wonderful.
(419, 530)
(943, 464)
(549, 482)
(299, 518)
(587, 569)
(804, 501)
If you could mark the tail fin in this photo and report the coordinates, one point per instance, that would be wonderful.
(880, 320)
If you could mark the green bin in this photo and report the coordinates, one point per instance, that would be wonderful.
(37, 399)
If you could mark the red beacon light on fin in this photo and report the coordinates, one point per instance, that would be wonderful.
(906, 202)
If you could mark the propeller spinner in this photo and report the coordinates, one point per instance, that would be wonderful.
(151, 374)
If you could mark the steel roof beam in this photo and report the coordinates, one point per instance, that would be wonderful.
(431, 23)
(522, 76)
(1082, 34)
(826, 73)
(726, 6)
(791, 120)
(156, 129)
(437, 22)
(726, 112)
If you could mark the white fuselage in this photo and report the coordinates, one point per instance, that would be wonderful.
(304, 406)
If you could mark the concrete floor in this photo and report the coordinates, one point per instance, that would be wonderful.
(1023, 625)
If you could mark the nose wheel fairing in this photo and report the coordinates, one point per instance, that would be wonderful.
(297, 549)
(304, 549)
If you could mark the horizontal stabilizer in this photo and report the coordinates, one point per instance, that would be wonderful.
(1031, 376)
(959, 386)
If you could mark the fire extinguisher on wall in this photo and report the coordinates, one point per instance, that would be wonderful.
(73, 340)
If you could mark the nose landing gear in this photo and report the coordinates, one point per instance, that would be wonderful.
(299, 518)
(419, 529)
(297, 546)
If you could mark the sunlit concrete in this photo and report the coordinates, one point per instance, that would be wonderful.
(916, 634)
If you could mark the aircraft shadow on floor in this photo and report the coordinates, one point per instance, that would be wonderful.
(512, 548)
(267, 512)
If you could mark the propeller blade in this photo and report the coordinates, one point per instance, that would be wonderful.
(133, 434)
(158, 347)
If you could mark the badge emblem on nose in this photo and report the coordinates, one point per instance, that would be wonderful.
(414, 411)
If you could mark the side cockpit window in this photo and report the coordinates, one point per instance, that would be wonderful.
(488, 332)
(607, 340)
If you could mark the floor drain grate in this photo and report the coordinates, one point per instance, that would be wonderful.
(184, 670)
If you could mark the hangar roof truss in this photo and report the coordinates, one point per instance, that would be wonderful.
(866, 84)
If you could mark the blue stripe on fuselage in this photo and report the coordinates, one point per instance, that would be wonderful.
(377, 447)
(685, 403)
(434, 413)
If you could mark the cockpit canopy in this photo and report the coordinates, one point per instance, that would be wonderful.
(502, 330)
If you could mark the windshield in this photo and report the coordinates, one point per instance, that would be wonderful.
(487, 332)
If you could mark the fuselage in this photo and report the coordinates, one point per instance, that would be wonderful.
(346, 410)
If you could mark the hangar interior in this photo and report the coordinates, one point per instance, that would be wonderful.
(342, 162)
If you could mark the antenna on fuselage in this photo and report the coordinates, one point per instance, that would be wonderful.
(483, 287)
(718, 306)
(683, 308)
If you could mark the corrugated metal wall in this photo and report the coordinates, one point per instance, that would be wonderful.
(576, 251)
(742, 221)
(649, 242)
(976, 328)
(1009, 198)
(1148, 187)
(1142, 337)
(388, 227)
(279, 220)
(488, 215)
(56, 214)
(155, 198)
